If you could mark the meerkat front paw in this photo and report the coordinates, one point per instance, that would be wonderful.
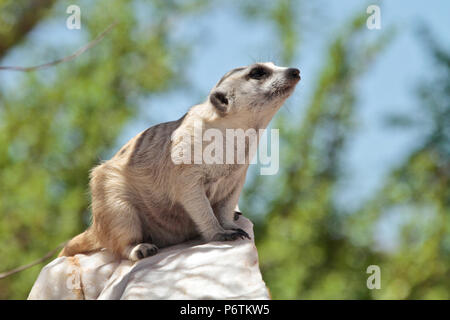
(231, 235)
(142, 250)
(243, 233)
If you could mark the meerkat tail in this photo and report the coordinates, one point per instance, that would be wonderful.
(82, 243)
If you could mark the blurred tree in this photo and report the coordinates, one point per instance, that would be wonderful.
(308, 247)
(18, 18)
(63, 120)
(286, 23)
(303, 254)
(417, 192)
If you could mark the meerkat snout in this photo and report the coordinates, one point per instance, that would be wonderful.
(293, 74)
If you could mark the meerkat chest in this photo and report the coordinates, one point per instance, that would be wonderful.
(221, 180)
(218, 189)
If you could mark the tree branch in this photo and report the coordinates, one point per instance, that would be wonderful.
(65, 59)
(29, 265)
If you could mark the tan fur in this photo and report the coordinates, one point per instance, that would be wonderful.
(142, 200)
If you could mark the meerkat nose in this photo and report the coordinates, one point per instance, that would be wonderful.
(293, 73)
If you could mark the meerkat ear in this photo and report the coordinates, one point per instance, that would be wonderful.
(220, 101)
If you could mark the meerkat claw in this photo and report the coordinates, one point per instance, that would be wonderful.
(242, 233)
(231, 235)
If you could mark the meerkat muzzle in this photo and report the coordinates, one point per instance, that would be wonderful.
(293, 74)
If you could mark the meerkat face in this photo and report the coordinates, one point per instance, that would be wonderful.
(255, 88)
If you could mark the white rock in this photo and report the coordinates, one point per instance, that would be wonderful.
(193, 270)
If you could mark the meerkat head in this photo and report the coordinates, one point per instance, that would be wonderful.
(258, 88)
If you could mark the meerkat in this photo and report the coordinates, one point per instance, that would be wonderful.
(143, 201)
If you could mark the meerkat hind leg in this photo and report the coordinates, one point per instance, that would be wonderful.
(127, 238)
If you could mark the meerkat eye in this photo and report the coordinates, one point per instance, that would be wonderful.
(257, 73)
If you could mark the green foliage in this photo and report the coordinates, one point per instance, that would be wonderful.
(418, 191)
(62, 121)
(308, 247)
(302, 252)
(18, 18)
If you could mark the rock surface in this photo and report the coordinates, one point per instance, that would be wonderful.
(193, 270)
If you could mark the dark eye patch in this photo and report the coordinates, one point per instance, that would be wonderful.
(258, 73)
